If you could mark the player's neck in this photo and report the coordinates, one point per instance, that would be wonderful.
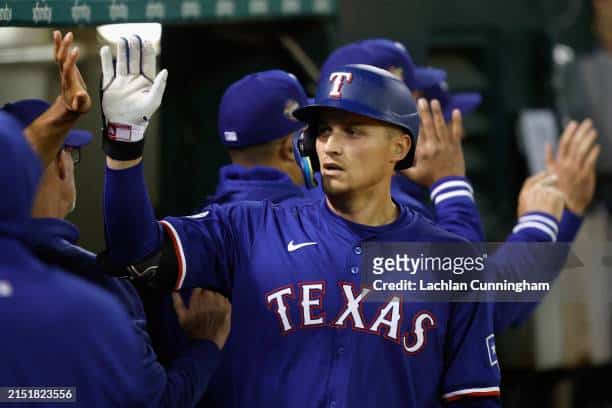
(373, 207)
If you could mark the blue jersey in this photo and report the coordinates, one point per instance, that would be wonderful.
(287, 299)
(61, 331)
(238, 183)
(53, 242)
(303, 333)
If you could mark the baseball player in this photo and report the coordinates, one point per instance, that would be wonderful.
(300, 321)
(58, 330)
(53, 241)
(263, 165)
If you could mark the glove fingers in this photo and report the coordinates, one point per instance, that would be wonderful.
(157, 90)
(122, 56)
(108, 70)
(148, 60)
(134, 55)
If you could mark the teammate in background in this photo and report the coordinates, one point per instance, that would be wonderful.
(53, 241)
(58, 330)
(256, 125)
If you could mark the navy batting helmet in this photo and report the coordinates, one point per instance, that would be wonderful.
(364, 90)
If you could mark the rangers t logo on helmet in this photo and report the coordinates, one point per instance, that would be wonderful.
(339, 79)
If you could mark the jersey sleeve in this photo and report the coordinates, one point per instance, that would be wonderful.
(210, 245)
(569, 226)
(472, 370)
(518, 260)
(455, 208)
(184, 383)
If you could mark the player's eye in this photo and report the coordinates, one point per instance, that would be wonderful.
(353, 131)
(323, 130)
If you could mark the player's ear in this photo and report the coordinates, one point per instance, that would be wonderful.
(400, 145)
(286, 148)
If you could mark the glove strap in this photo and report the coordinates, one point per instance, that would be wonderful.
(123, 142)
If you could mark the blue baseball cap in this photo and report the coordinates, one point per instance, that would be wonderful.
(386, 54)
(78, 138)
(20, 171)
(259, 108)
(27, 110)
(466, 102)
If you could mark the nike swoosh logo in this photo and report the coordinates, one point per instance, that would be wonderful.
(293, 247)
(200, 215)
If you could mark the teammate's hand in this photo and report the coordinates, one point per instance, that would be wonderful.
(539, 193)
(438, 150)
(131, 93)
(74, 92)
(207, 318)
(574, 164)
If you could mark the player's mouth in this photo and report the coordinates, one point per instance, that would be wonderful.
(330, 168)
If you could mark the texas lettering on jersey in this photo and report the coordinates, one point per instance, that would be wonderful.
(386, 322)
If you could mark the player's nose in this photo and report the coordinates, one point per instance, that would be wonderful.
(334, 141)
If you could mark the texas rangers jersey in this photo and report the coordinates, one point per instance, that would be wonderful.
(303, 331)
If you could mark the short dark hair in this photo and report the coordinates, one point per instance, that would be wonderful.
(256, 154)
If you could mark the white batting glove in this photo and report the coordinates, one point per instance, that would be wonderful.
(130, 96)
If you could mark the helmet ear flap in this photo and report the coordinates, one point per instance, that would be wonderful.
(305, 153)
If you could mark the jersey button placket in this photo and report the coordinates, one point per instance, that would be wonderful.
(355, 259)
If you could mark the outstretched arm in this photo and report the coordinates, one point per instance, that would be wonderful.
(440, 166)
(129, 98)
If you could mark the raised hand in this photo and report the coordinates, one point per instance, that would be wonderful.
(131, 94)
(73, 89)
(438, 150)
(575, 163)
